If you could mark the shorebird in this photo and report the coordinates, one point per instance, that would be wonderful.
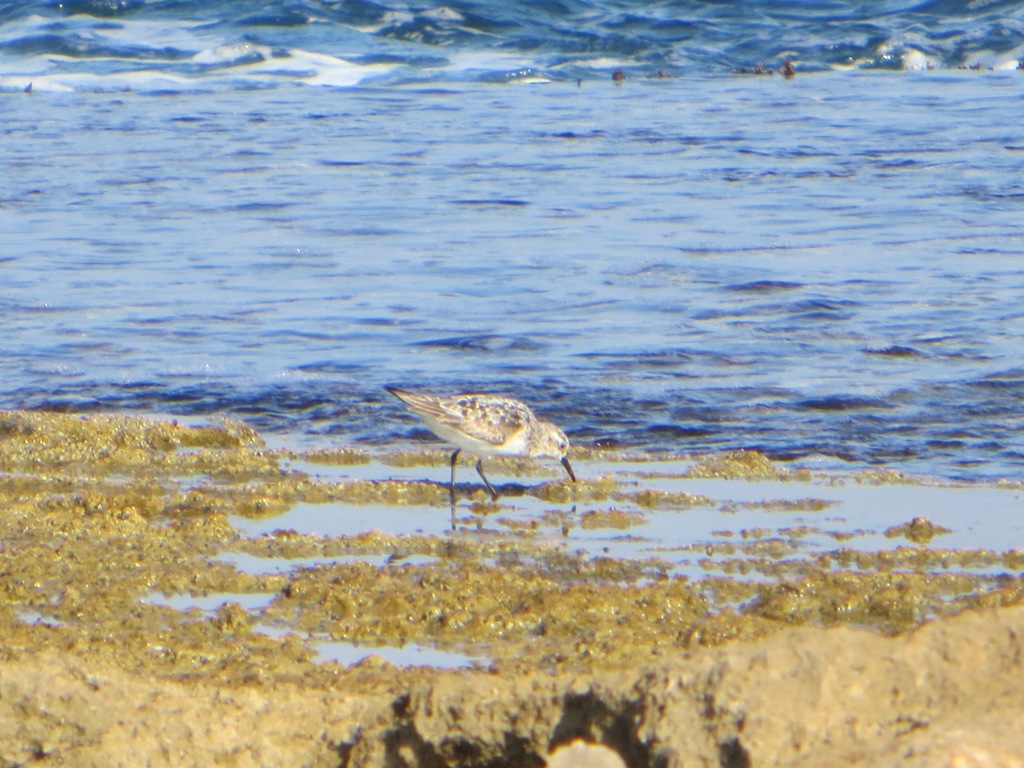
(487, 425)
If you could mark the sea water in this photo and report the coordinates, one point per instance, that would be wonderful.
(272, 213)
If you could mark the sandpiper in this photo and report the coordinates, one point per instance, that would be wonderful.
(487, 425)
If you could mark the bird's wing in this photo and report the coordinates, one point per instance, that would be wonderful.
(487, 418)
(490, 419)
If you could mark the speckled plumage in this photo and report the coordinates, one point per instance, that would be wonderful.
(488, 425)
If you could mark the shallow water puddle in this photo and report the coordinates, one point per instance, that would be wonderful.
(337, 519)
(694, 525)
(209, 604)
(255, 565)
(356, 574)
(411, 655)
(408, 655)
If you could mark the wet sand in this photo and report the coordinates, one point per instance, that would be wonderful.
(566, 612)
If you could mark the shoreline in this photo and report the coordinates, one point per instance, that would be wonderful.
(795, 646)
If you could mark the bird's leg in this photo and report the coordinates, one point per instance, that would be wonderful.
(480, 471)
(451, 486)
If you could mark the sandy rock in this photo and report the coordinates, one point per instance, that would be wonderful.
(948, 694)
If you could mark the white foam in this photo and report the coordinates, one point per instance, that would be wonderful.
(914, 59)
(314, 69)
(444, 13)
(41, 83)
(72, 82)
(183, 35)
(1009, 64)
(231, 52)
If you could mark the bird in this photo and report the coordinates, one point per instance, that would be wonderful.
(487, 425)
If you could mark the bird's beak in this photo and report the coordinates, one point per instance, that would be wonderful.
(568, 467)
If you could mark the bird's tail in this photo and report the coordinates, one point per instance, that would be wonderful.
(418, 402)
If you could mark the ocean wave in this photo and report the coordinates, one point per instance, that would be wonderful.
(120, 44)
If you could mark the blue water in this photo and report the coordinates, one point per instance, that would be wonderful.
(134, 43)
(272, 211)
